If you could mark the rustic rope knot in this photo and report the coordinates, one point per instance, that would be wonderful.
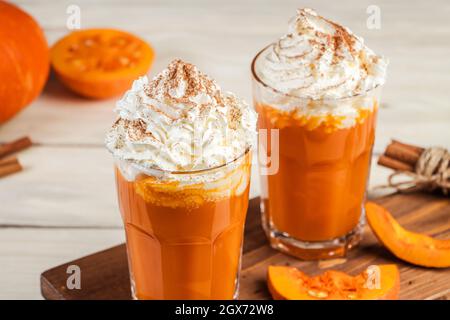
(432, 171)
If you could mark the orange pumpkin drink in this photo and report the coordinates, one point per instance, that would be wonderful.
(182, 150)
(317, 93)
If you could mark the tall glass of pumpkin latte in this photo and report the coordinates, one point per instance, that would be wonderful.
(318, 89)
(182, 151)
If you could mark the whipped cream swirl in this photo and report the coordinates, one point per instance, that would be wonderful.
(319, 59)
(180, 121)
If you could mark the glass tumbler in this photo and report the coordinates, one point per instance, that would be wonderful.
(184, 230)
(313, 203)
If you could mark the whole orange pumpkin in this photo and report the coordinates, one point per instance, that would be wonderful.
(24, 60)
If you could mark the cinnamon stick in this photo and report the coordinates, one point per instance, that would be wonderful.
(7, 161)
(11, 167)
(15, 146)
(394, 164)
(403, 153)
(416, 149)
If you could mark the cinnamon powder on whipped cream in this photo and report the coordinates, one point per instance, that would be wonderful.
(320, 59)
(181, 120)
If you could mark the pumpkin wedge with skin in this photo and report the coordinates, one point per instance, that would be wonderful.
(100, 63)
(415, 248)
(288, 283)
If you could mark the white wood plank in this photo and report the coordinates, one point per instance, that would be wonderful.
(26, 253)
(61, 186)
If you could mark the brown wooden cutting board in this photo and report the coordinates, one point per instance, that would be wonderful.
(105, 274)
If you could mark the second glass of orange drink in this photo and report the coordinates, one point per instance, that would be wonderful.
(317, 88)
(183, 153)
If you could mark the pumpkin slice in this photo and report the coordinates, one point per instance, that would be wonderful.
(415, 248)
(381, 282)
(100, 63)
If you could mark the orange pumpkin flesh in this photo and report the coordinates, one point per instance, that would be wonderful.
(100, 63)
(288, 283)
(24, 60)
(415, 248)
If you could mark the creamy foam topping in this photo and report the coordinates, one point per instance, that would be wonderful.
(320, 59)
(180, 121)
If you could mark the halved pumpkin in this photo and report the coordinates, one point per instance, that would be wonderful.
(415, 248)
(100, 63)
(381, 282)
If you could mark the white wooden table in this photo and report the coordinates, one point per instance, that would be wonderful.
(63, 205)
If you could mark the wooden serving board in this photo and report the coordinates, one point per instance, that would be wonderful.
(105, 274)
